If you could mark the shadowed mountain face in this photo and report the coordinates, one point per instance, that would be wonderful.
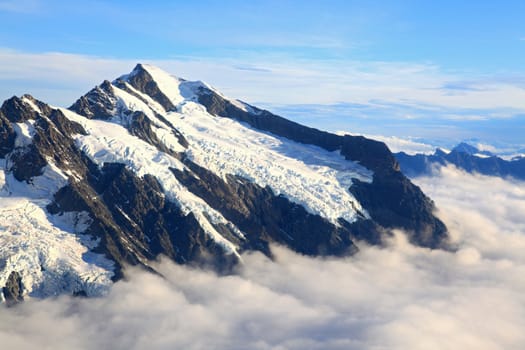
(151, 164)
(465, 157)
(391, 198)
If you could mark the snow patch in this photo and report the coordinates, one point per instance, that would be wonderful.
(109, 142)
(127, 103)
(199, 87)
(24, 133)
(49, 260)
(169, 85)
(39, 187)
(31, 104)
(305, 174)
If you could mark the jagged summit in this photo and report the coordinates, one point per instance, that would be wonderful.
(464, 147)
(151, 164)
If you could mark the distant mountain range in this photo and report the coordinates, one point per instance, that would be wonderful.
(152, 164)
(465, 157)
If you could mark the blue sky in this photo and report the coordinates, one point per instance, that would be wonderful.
(435, 69)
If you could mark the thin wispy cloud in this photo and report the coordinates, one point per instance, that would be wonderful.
(362, 96)
(398, 297)
(292, 81)
(253, 68)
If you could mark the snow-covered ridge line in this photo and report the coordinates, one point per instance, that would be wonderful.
(109, 142)
(128, 103)
(307, 175)
(170, 85)
(179, 90)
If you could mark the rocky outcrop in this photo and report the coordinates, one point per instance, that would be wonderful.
(16, 111)
(135, 223)
(141, 80)
(140, 125)
(13, 290)
(7, 136)
(391, 199)
(266, 121)
(102, 103)
(99, 103)
(264, 217)
(394, 202)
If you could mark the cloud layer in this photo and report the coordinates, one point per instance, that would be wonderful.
(400, 297)
(406, 99)
(281, 79)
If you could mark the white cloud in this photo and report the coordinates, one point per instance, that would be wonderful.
(400, 297)
(407, 145)
(56, 78)
(277, 79)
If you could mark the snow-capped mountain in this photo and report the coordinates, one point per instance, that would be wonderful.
(152, 164)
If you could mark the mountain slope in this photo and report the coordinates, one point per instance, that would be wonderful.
(463, 156)
(151, 164)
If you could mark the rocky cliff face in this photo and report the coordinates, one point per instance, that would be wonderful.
(12, 291)
(150, 164)
(392, 200)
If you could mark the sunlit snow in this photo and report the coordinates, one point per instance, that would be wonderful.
(49, 252)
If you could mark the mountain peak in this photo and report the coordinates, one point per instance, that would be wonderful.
(152, 164)
(156, 73)
(20, 109)
(464, 147)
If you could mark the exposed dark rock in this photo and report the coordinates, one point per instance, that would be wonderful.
(133, 220)
(366, 230)
(392, 200)
(16, 111)
(136, 223)
(140, 126)
(52, 139)
(121, 84)
(372, 154)
(116, 243)
(43, 107)
(264, 217)
(7, 136)
(141, 80)
(99, 103)
(27, 163)
(13, 290)
(266, 121)
(64, 125)
(80, 294)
